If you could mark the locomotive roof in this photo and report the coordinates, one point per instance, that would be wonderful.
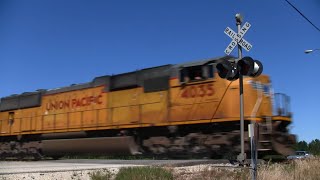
(202, 62)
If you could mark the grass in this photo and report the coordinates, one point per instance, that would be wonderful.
(307, 169)
(214, 173)
(101, 175)
(144, 173)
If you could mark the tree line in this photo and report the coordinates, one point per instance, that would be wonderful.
(313, 147)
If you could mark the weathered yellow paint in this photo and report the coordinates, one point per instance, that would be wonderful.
(197, 100)
(211, 100)
(72, 109)
(4, 125)
(123, 106)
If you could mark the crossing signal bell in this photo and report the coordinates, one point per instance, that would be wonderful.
(245, 66)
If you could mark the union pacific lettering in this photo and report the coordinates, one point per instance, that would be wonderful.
(74, 103)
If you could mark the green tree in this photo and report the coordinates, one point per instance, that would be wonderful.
(314, 147)
(301, 146)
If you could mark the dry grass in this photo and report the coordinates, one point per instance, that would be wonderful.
(212, 173)
(308, 169)
(104, 174)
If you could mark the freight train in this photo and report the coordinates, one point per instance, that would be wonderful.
(181, 109)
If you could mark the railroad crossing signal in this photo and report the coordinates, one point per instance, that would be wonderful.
(243, 67)
(237, 38)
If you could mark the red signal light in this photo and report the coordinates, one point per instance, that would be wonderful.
(228, 71)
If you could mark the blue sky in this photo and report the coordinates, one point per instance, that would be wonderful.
(53, 43)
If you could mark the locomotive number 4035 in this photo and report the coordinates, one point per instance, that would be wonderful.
(198, 91)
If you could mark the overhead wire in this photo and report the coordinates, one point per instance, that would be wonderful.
(302, 15)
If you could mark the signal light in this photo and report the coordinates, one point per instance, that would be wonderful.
(245, 66)
(249, 67)
(226, 70)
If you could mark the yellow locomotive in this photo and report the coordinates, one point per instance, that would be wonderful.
(182, 109)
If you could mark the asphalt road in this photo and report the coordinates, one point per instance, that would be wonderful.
(45, 166)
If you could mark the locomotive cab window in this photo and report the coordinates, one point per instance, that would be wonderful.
(196, 73)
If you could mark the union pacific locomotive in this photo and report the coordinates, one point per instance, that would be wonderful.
(182, 109)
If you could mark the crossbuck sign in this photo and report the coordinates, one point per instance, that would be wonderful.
(238, 38)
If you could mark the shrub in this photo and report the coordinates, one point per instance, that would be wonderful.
(213, 173)
(101, 175)
(144, 173)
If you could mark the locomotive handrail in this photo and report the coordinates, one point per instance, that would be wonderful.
(281, 104)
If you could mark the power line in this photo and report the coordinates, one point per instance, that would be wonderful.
(302, 15)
